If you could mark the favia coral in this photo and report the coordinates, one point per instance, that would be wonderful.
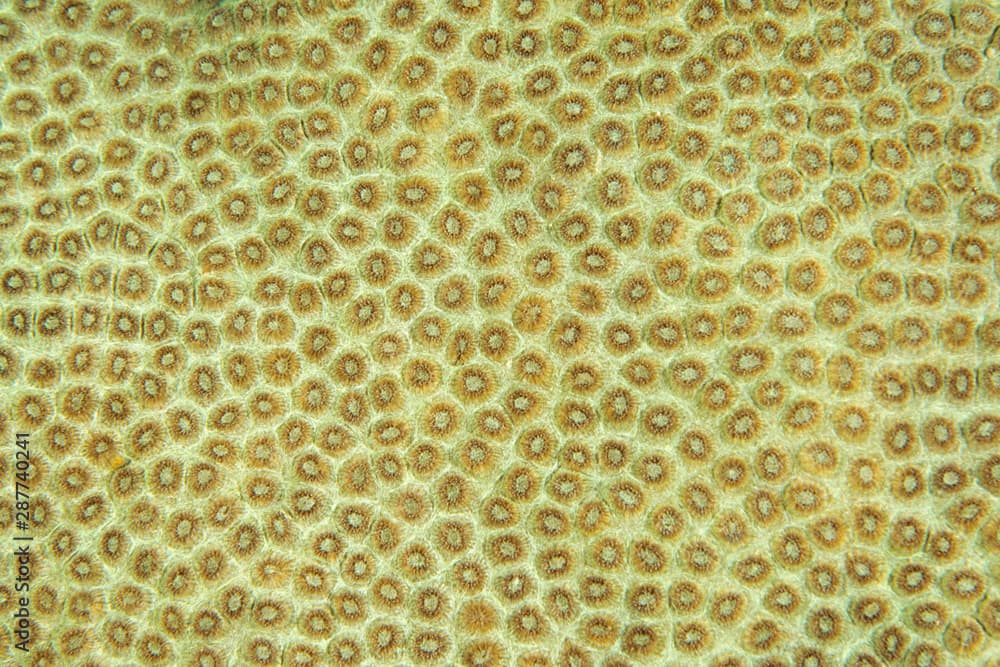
(501, 332)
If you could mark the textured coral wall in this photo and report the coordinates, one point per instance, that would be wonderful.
(501, 332)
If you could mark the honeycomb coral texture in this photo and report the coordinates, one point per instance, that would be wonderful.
(502, 332)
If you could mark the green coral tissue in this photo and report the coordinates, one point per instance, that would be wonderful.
(500, 333)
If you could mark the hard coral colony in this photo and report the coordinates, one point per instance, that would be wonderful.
(502, 332)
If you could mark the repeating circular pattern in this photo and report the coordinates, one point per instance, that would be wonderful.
(503, 332)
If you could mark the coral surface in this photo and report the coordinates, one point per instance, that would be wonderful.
(501, 332)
